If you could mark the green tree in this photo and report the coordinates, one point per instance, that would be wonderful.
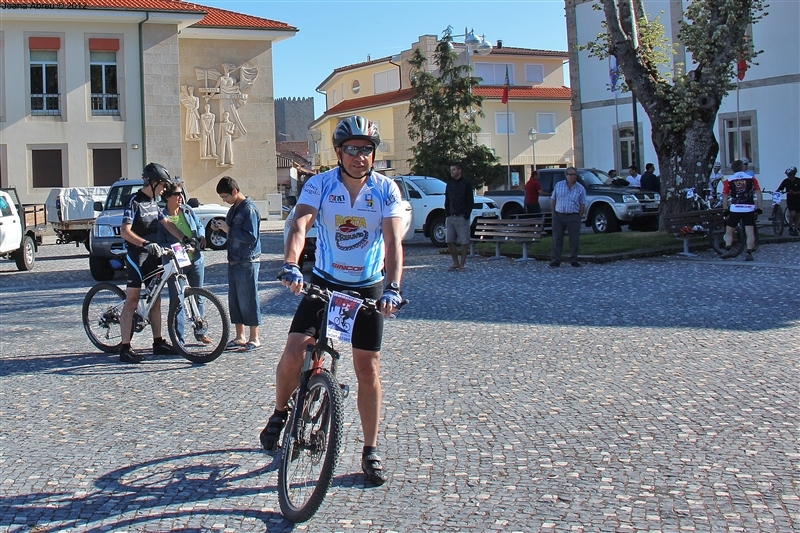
(682, 105)
(443, 119)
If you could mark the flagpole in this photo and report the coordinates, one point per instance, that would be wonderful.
(738, 125)
(508, 142)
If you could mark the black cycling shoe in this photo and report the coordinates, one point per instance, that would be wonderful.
(162, 347)
(373, 469)
(127, 355)
(271, 434)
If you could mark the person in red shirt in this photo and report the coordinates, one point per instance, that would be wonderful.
(532, 188)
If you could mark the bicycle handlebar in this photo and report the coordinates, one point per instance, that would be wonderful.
(316, 292)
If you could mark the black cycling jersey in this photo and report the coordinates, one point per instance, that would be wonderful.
(143, 214)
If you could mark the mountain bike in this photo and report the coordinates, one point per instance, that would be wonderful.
(313, 434)
(204, 317)
(780, 216)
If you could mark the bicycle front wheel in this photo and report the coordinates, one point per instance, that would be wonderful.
(777, 220)
(310, 452)
(199, 329)
(717, 237)
(101, 313)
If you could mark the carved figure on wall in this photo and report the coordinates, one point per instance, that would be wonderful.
(228, 90)
(226, 131)
(192, 105)
(209, 148)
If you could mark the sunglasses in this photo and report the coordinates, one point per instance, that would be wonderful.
(353, 151)
(176, 193)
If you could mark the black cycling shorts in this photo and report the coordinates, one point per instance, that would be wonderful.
(367, 329)
(139, 265)
(733, 219)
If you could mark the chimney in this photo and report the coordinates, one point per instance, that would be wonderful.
(368, 58)
(499, 44)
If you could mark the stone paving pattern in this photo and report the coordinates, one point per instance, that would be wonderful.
(652, 395)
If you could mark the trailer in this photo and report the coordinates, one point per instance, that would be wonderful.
(71, 212)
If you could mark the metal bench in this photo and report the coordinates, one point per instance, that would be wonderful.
(700, 222)
(499, 231)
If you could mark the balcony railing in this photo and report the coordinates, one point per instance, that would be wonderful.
(105, 104)
(46, 104)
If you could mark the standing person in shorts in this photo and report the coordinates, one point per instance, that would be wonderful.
(458, 200)
(357, 213)
(139, 228)
(242, 225)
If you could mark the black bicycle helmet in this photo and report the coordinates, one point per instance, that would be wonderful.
(791, 171)
(356, 127)
(156, 173)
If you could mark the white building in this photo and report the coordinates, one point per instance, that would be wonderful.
(91, 94)
(769, 96)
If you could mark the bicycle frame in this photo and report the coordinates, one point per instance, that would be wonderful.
(170, 273)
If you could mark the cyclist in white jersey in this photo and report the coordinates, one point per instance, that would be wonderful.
(359, 237)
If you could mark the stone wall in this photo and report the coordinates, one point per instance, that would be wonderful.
(292, 117)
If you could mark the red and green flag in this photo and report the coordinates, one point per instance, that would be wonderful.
(505, 88)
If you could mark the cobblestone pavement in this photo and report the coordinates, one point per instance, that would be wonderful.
(642, 395)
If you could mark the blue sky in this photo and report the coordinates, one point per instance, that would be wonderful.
(333, 34)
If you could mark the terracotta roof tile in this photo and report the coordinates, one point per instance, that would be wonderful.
(215, 18)
(514, 51)
(371, 101)
(525, 93)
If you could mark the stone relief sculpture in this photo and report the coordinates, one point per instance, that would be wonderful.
(209, 144)
(192, 105)
(228, 88)
(226, 131)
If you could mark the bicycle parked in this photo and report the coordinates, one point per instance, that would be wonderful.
(779, 216)
(206, 325)
(313, 434)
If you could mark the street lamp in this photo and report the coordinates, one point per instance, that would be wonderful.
(471, 43)
(532, 136)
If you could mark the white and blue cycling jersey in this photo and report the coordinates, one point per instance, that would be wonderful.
(350, 247)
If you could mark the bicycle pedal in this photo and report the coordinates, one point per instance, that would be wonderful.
(345, 390)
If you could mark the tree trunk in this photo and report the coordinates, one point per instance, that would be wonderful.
(676, 153)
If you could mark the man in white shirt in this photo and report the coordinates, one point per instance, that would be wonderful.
(634, 179)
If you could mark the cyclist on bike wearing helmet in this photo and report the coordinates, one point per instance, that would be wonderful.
(359, 237)
(792, 187)
(140, 230)
(715, 178)
(741, 198)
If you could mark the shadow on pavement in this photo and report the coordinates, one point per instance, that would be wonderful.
(90, 364)
(124, 498)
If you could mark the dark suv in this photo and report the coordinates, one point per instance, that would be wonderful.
(607, 206)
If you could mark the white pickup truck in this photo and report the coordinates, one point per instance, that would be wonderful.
(426, 196)
(71, 212)
(21, 229)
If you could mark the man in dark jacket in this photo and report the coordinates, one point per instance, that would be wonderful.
(458, 200)
(650, 182)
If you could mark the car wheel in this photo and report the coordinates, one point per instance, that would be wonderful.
(604, 220)
(439, 232)
(215, 239)
(25, 257)
(101, 268)
(513, 208)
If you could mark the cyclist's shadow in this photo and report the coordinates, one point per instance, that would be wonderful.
(177, 484)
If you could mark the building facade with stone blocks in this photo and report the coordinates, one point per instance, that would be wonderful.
(109, 87)
(768, 97)
(292, 117)
(380, 90)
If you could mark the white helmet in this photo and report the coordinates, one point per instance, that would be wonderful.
(745, 161)
(717, 165)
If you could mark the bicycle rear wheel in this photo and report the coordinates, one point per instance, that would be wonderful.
(717, 237)
(205, 326)
(777, 220)
(310, 452)
(101, 312)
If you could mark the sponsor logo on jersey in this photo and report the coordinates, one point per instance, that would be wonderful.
(336, 199)
(390, 200)
(348, 268)
(311, 189)
(368, 200)
(351, 232)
